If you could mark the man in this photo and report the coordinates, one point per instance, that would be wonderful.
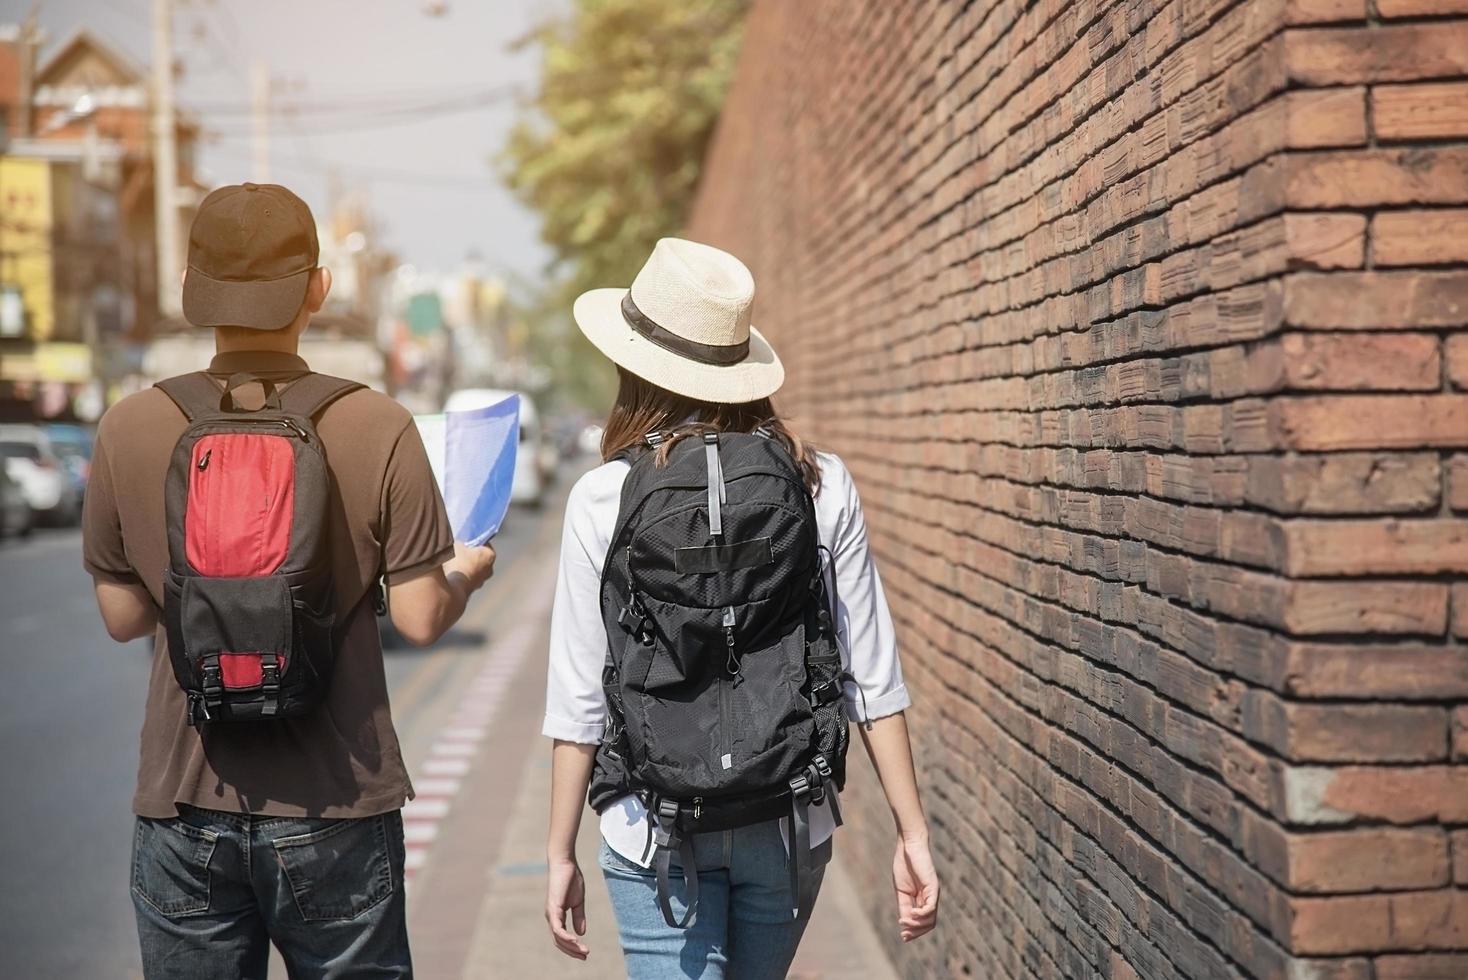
(285, 829)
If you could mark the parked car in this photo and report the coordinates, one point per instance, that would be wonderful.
(73, 443)
(530, 457)
(15, 510)
(50, 488)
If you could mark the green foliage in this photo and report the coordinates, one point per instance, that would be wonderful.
(608, 153)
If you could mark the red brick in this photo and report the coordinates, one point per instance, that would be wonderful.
(1420, 237)
(1345, 483)
(1456, 350)
(1346, 733)
(1325, 241)
(1368, 859)
(1460, 609)
(1374, 547)
(1372, 422)
(1364, 362)
(1431, 920)
(1460, 734)
(1367, 606)
(1457, 474)
(1417, 8)
(1377, 300)
(1459, 844)
(1397, 52)
(1429, 111)
(1422, 966)
(1409, 795)
(1414, 671)
(1324, 11)
(1327, 117)
(1377, 177)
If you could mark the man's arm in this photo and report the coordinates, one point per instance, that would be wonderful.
(127, 610)
(425, 606)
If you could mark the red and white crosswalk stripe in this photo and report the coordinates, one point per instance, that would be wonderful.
(457, 744)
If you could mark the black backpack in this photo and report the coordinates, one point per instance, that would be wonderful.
(723, 678)
(248, 592)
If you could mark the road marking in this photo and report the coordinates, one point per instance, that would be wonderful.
(466, 734)
(446, 767)
(453, 748)
(436, 787)
(425, 809)
(419, 831)
(457, 744)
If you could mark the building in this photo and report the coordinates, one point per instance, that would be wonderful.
(78, 271)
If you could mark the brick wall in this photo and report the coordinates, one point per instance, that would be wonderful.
(1144, 328)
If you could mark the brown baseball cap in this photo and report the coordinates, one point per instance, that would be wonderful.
(251, 252)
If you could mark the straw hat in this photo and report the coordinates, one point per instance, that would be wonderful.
(684, 325)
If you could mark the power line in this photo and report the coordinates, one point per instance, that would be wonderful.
(461, 181)
(381, 103)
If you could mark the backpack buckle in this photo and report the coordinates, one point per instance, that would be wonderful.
(269, 684)
(633, 618)
(213, 682)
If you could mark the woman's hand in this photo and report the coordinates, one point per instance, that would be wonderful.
(567, 893)
(916, 881)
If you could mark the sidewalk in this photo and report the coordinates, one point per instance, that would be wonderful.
(477, 831)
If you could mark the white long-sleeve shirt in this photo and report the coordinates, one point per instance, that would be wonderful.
(575, 706)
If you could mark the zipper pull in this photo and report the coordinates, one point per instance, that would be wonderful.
(731, 662)
(204, 460)
(697, 807)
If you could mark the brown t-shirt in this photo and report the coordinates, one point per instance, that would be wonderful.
(342, 759)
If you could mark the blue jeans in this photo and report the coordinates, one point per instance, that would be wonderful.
(744, 929)
(213, 890)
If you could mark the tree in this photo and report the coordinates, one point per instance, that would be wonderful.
(609, 150)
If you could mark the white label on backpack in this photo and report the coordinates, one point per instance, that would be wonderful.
(728, 761)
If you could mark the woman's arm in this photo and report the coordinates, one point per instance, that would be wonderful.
(571, 764)
(913, 875)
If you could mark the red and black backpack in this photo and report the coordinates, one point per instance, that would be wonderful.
(248, 592)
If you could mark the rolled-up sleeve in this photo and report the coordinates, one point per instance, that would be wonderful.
(874, 688)
(104, 554)
(575, 706)
(416, 532)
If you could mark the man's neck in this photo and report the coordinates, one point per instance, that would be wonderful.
(277, 341)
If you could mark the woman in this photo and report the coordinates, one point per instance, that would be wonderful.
(691, 365)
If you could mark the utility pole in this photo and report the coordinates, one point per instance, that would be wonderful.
(260, 119)
(30, 40)
(165, 160)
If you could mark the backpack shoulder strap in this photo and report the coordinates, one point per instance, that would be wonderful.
(195, 393)
(310, 393)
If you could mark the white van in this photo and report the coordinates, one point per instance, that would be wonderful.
(529, 483)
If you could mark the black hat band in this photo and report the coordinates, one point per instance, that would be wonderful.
(721, 355)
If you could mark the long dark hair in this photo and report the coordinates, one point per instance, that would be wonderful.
(642, 407)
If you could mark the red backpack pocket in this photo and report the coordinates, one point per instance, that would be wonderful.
(240, 502)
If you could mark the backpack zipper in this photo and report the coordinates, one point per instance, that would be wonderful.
(731, 659)
(726, 760)
(278, 423)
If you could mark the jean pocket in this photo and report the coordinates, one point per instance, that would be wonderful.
(171, 866)
(609, 860)
(339, 871)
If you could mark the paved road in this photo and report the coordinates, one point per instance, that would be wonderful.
(71, 705)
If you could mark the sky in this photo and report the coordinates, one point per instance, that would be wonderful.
(387, 70)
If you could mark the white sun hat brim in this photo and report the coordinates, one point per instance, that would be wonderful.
(599, 315)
